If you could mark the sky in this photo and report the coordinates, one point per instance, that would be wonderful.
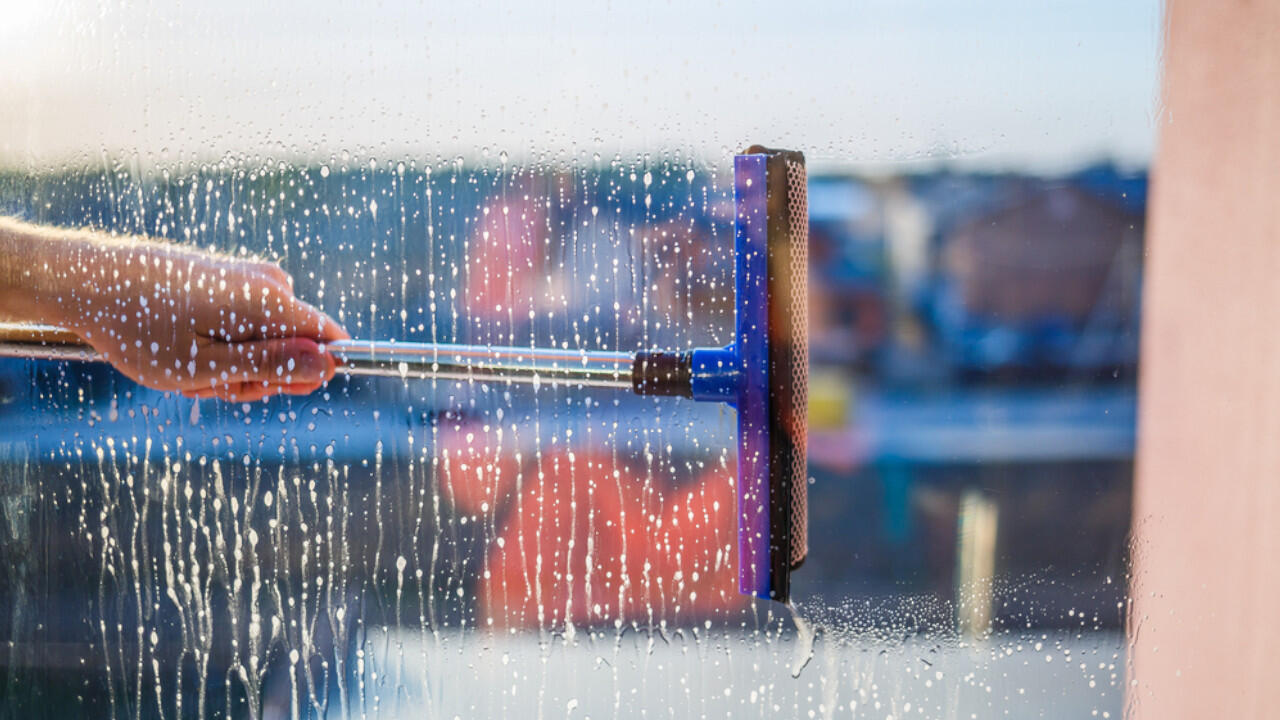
(992, 84)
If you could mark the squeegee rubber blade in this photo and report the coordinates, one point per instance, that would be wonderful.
(788, 378)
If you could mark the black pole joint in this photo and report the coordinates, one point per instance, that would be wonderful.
(663, 373)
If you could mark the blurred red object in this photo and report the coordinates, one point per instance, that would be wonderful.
(594, 542)
(476, 468)
(589, 540)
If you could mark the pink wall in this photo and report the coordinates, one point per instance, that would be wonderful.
(1205, 629)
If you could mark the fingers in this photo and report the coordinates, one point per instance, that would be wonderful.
(268, 309)
(311, 322)
(261, 363)
(251, 391)
(277, 273)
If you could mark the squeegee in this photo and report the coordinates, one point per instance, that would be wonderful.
(763, 373)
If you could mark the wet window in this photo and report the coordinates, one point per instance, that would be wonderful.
(619, 381)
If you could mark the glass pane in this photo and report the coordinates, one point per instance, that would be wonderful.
(563, 178)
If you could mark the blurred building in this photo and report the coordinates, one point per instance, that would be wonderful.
(1047, 282)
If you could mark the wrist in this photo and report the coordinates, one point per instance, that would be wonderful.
(45, 274)
(67, 288)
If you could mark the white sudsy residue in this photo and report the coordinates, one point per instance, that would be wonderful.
(805, 634)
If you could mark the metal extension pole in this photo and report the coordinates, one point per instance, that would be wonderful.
(407, 360)
(602, 369)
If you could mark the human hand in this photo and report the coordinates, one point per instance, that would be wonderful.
(205, 325)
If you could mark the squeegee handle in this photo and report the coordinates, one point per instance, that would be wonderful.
(645, 373)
